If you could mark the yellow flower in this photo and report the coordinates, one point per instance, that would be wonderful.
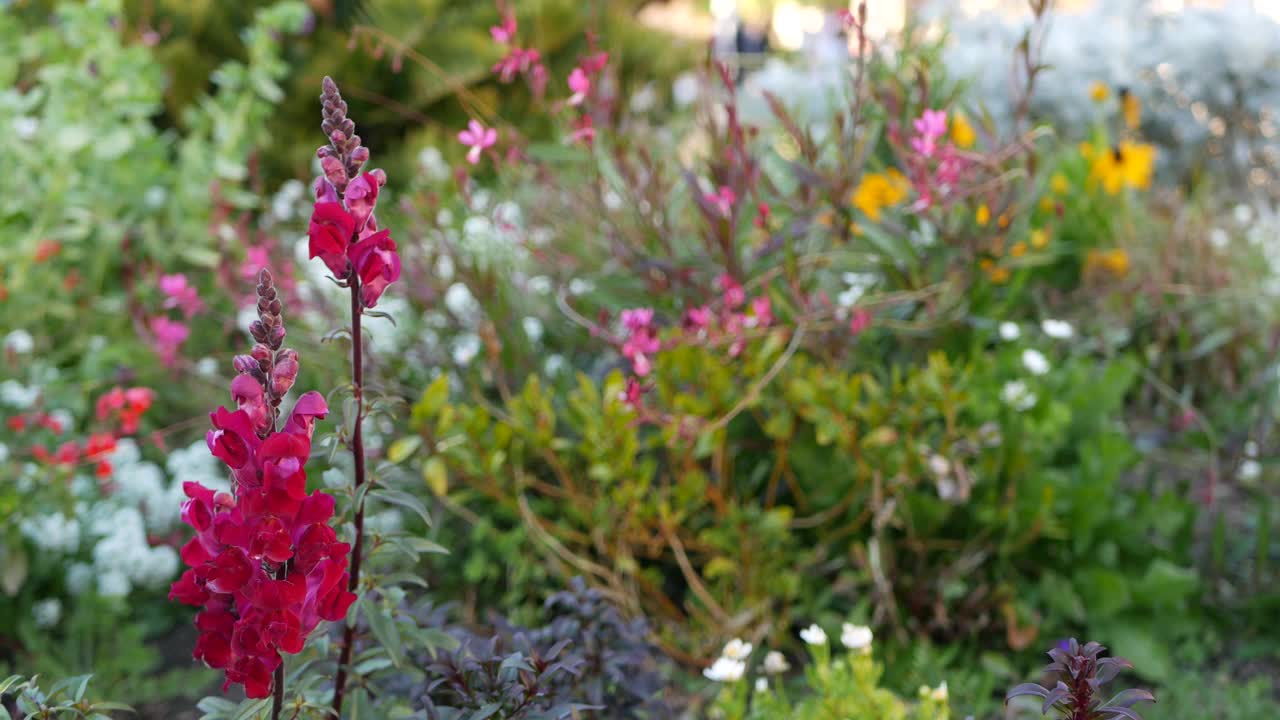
(999, 275)
(1086, 150)
(1127, 164)
(962, 133)
(1046, 204)
(1130, 108)
(1039, 238)
(1018, 250)
(1098, 91)
(1003, 221)
(983, 215)
(877, 191)
(1059, 184)
(1114, 261)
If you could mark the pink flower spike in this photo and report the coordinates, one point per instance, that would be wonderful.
(580, 84)
(478, 138)
(929, 127)
(506, 32)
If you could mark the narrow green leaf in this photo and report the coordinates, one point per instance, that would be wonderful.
(403, 499)
(384, 629)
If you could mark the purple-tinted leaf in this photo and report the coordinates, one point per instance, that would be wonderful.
(1130, 697)
(1055, 695)
(1118, 712)
(1027, 689)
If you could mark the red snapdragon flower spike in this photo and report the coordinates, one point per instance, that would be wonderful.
(329, 234)
(361, 196)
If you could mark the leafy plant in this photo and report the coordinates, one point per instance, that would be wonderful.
(1082, 674)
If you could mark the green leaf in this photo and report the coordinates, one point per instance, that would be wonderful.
(384, 629)
(403, 499)
(402, 448)
(436, 475)
(252, 709)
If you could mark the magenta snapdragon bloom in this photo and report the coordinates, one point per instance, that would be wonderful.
(180, 294)
(344, 231)
(478, 138)
(930, 126)
(265, 566)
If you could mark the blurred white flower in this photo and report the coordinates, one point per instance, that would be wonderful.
(113, 584)
(459, 300)
(207, 367)
(685, 89)
(554, 364)
(1219, 238)
(725, 670)
(155, 196)
(47, 612)
(15, 394)
(444, 267)
(4, 452)
(1010, 331)
(532, 328)
(432, 162)
(540, 284)
(814, 635)
(644, 99)
(79, 578)
(1250, 470)
(1035, 362)
(736, 649)
(775, 663)
(761, 684)
(444, 218)
(465, 348)
(1016, 394)
(25, 127)
(856, 637)
(940, 693)
(19, 342)
(939, 466)
(578, 286)
(1243, 214)
(53, 533)
(1057, 329)
(246, 317)
(1251, 449)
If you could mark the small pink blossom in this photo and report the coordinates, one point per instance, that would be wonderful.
(929, 127)
(478, 138)
(580, 85)
(860, 321)
(697, 319)
(180, 294)
(584, 130)
(762, 311)
(762, 215)
(637, 318)
(642, 339)
(633, 394)
(167, 336)
(722, 200)
(506, 32)
(593, 64)
(734, 295)
(255, 259)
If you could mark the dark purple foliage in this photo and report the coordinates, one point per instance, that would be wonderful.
(1081, 675)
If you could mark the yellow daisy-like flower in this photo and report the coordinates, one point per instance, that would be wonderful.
(1039, 238)
(1114, 261)
(1018, 250)
(983, 215)
(1130, 108)
(1059, 184)
(1098, 91)
(999, 275)
(877, 191)
(1046, 204)
(962, 133)
(1127, 164)
(1003, 221)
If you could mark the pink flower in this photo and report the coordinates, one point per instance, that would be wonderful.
(762, 311)
(633, 393)
(697, 319)
(478, 138)
(506, 32)
(860, 321)
(929, 127)
(167, 337)
(361, 196)
(255, 258)
(181, 294)
(593, 64)
(637, 318)
(722, 200)
(642, 339)
(584, 130)
(762, 216)
(377, 263)
(580, 85)
(538, 80)
(734, 295)
(329, 235)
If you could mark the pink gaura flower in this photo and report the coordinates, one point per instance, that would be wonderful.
(180, 294)
(732, 292)
(722, 200)
(641, 341)
(584, 130)
(478, 138)
(632, 394)
(167, 337)
(506, 32)
(930, 126)
(579, 85)
(637, 318)
(697, 319)
(595, 63)
(761, 312)
(859, 321)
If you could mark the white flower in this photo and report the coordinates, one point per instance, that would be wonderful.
(432, 161)
(856, 637)
(814, 635)
(939, 466)
(1219, 238)
(246, 317)
(775, 663)
(761, 684)
(1010, 331)
(1243, 214)
(578, 286)
(207, 367)
(444, 218)
(155, 196)
(25, 127)
(644, 99)
(444, 268)
(19, 342)
(725, 670)
(15, 394)
(1035, 362)
(736, 649)
(461, 302)
(685, 89)
(1057, 329)
(555, 364)
(1250, 470)
(46, 613)
(1251, 449)
(113, 584)
(1016, 394)
(465, 348)
(532, 328)
(4, 452)
(55, 533)
(79, 578)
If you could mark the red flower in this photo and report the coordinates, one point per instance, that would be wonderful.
(329, 235)
(377, 263)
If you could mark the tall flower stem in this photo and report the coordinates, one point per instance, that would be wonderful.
(357, 453)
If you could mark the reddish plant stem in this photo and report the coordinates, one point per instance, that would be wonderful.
(357, 453)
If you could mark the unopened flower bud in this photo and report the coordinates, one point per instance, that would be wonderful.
(275, 306)
(285, 373)
(261, 352)
(258, 330)
(277, 335)
(360, 155)
(334, 172)
(245, 364)
(337, 137)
